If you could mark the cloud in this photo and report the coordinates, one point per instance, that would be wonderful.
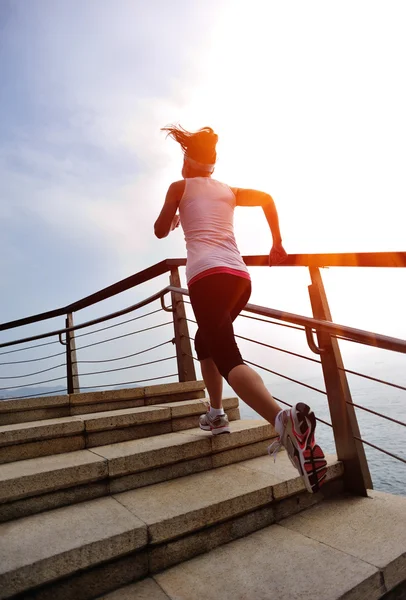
(83, 164)
(84, 168)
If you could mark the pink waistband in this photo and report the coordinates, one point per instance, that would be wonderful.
(216, 270)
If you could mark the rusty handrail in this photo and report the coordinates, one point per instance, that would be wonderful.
(361, 336)
(346, 431)
(348, 259)
(352, 334)
(63, 330)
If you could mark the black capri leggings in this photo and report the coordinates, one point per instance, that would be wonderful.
(217, 300)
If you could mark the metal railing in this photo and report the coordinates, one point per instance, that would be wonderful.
(84, 350)
(348, 441)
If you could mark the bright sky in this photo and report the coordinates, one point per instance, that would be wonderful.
(307, 98)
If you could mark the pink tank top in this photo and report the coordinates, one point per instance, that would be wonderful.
(207, 217)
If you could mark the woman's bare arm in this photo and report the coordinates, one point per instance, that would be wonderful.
(246, 197)
(168, 219)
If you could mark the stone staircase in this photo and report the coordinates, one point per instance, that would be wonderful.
(100, 490)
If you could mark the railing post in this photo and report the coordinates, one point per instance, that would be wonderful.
(71, 364)
(186, 367)
(357, 478)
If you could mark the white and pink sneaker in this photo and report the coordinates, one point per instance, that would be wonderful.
(216, 424)
(296, 427)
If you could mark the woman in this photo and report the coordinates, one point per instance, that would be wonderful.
(219, 288)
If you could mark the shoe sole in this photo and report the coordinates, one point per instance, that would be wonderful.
(215, 430)
(309, 461)
(205, 427)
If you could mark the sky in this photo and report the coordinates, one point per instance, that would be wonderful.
(307, 99)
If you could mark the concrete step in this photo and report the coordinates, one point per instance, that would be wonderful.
(344, 547)
(20, 441)
(51, 407)
(81, 551)
(34, 485)
(57, 544)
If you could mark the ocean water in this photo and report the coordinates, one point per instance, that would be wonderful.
(387, 474)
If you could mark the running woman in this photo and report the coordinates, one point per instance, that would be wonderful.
(219, 288)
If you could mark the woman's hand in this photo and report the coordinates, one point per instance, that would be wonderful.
(277, 255)
(175, 222)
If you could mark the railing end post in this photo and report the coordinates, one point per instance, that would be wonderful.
(72, 373)
(186, 367)
(357, 478)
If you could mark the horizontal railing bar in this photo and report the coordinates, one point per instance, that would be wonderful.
(310, 387)
(151, 362)
(373, 412)
(394, 385)
(119, 337)
(82, 362)
(343, 259)
(23, 362)
(279, 349)
(153, 312)
(108, 292)
(91, 387)
(114, 315)
(121, 286)
(15, 387)
(35, 373)
(47, 393)
(262, 321)
(357, 335)
(348, 259)
(25, 349)
(380, 449)
(348, 371)
(272, 322)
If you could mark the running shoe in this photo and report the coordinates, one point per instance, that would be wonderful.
(216, 425)
(296, 427)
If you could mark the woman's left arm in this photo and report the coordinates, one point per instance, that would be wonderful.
(168, 219)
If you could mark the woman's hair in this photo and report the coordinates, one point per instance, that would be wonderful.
(199, 145)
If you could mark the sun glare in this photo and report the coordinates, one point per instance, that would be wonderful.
(305, 117)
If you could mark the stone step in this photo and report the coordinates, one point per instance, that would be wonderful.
(81, 551)
(20, 441)
(345, 547)
(60, 543)
(52, 407)
(34, 485)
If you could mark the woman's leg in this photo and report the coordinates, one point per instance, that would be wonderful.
(211, 376)
(213, 382)
(211, 304)
(217, 301)
(249, 386)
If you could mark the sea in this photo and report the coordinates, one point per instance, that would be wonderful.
(388, 474)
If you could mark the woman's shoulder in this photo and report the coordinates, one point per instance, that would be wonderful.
(176, 189)
(178, 185)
